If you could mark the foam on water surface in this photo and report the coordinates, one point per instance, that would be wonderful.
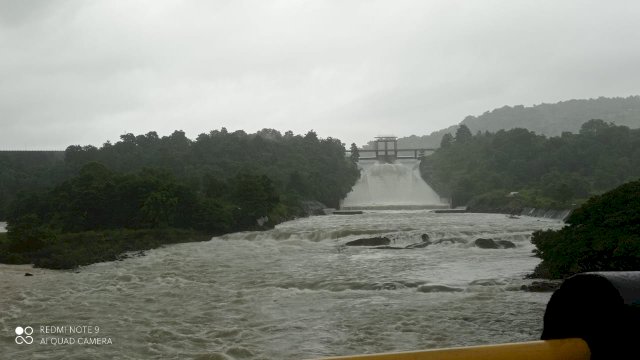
(293, 292)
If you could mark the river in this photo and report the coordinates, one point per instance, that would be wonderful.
(290, 293)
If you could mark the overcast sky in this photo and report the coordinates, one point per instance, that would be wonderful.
(84, 72)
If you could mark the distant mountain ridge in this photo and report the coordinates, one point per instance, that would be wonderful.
(544, 119)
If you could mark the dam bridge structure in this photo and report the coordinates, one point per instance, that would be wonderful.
(386, 149)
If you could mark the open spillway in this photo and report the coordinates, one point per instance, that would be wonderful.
(391, 186)
(294, 292)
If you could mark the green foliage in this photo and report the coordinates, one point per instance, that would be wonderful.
(32, 170)
(602, 235)
(559, 172)
(255, 197)
(27, 235)
(220, 182)
(321, 166)
(447, 140)
(355, 153)
(463, 134)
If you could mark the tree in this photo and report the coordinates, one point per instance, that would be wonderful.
(27, 234)
(254, 196)
(355, 154)
(447, 140)
(463, 134)
(311, 136)
(594, 127)
(159, 209)
(297, 184)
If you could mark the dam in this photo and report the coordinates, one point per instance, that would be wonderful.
(391, 181)
(388, 186)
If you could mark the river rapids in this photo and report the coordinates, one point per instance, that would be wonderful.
(294, 292)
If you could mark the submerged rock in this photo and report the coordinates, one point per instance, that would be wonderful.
(450, 240)
(418, 245)
(374, 241)
(386, 286)
(505, 244)
(542, 286)
(494, 244)
(28, 274)
(425, 242)
(487, 282)
(438, 288)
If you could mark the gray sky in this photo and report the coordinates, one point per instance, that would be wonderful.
(83, 72)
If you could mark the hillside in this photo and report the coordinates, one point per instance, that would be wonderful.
(557, 172)
(543, 119)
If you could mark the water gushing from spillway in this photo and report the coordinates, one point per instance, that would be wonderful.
(396, 185)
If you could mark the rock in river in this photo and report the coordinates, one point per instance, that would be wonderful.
(494, 244)
(374, 241)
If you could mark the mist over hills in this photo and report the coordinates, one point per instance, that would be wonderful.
(543, 119)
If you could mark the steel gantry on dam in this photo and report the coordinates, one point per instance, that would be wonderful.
(385, 148)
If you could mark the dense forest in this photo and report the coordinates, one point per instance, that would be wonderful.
(601, 235)
(22, 170)
(511, 169)
(218, 183)
(544, 119)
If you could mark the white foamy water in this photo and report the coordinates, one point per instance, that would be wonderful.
(3, 226)
(391, 185)
(291, 293)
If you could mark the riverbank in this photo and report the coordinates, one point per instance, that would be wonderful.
(601, 235)
(555, 214)
(72, 250)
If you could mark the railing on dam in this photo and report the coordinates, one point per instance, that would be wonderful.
(591, 316)
(385, 148)
(394, 153)
(366, 154)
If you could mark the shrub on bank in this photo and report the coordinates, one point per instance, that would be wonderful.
(71, 250)
(601, 235)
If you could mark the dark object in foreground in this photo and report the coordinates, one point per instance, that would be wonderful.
(603, 308)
